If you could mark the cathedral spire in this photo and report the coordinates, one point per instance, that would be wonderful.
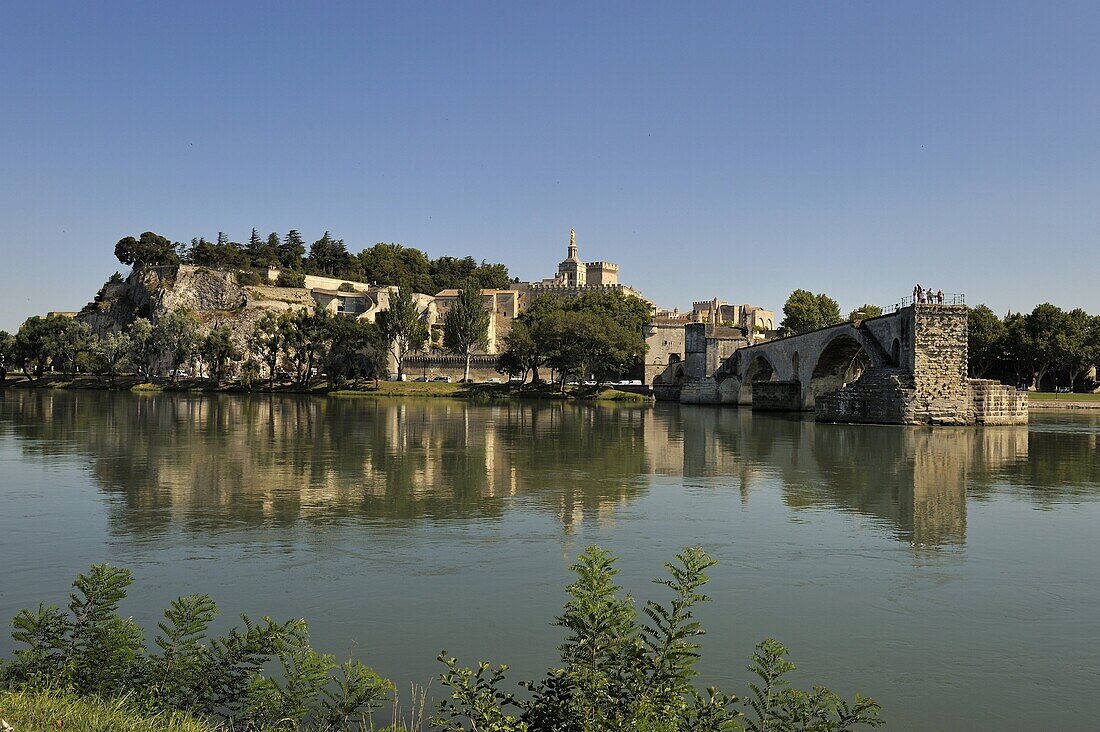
(572, 244)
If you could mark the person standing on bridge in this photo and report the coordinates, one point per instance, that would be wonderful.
(939, 297)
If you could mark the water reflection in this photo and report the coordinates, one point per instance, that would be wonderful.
(202, 463)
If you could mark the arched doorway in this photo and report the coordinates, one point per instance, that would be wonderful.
(842, 361)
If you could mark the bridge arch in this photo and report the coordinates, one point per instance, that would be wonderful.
(759, 368)
(842, 360)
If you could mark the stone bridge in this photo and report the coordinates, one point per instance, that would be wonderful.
(906, 367)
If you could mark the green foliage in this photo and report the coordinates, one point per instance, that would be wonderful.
(353, 348)
(864, 312)
(618, 674)
(267, 342)
(53, 342)
(249, 277)
(7, 354)
(148, 249)
(218, 351)
(987, 336)
(92, 651)
(111, 354)
(385, 264)
(288, 278)
(804, 311)
(176, 338)
(401, 327)
(830, 310)
(223, 254)
(598, 334)
(466, 324)
(41, 710)
(329, 257)
(143, 347)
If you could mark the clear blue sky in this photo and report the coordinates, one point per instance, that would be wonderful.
(737, 150)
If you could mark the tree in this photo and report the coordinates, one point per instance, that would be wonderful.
(830, 311)
(329, 257)
(292, 250)
(111, 354)
(148, 249)
(1074, 345)
(402, 328)
(1042, 326)
(218, 351)
(521, 355)
(306, 338)
(865, 312)
(267, 343)
(48, 342)
(801, 313)
(7, 354)
(144, 351)
(176, 336)
(354, 348)
(493, 276)
(986, 340)
(466, 324)
(72, 340)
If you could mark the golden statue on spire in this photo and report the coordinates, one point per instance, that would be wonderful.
(572, 237)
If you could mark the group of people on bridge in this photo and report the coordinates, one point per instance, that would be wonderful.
(925, 296)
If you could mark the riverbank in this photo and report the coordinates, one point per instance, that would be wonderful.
(26, 711)
(1047, 400)
(419, 389)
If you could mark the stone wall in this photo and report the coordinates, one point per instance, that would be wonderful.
(665, 348)
(879, 396)
(482, 367)
(994, 403)
(941, 389)
(776, 396)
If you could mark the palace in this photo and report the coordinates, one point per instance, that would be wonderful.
(574, 277)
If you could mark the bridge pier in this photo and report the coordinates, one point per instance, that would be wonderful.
(907, 367)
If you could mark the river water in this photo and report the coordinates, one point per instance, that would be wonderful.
(952, 574)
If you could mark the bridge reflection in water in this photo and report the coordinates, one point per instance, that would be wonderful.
(206, 463)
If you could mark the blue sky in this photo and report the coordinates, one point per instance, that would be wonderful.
(738, 150)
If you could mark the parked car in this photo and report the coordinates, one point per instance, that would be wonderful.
(443, 379)
(493, 380)
(421, 379)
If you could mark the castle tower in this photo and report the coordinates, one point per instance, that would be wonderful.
(571, 271)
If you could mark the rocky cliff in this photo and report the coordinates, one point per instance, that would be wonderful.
(213, 296)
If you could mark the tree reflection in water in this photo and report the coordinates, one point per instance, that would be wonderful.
(207, 462)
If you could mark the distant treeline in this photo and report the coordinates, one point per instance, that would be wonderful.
(1046, 347)
(386, 264)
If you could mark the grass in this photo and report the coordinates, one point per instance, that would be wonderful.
(429, 389)
(27, 711)
(1048, 396)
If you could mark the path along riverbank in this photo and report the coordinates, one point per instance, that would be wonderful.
(475, 392)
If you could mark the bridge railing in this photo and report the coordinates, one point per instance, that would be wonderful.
(949, 298)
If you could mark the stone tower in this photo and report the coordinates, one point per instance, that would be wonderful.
(572, 271)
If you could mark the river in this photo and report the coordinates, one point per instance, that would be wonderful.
(952, 574)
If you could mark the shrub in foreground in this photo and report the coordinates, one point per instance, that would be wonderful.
(620, 670)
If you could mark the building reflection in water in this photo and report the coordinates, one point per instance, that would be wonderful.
(204, 463)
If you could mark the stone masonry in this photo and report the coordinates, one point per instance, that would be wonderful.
(941, 390)
(906, 367)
